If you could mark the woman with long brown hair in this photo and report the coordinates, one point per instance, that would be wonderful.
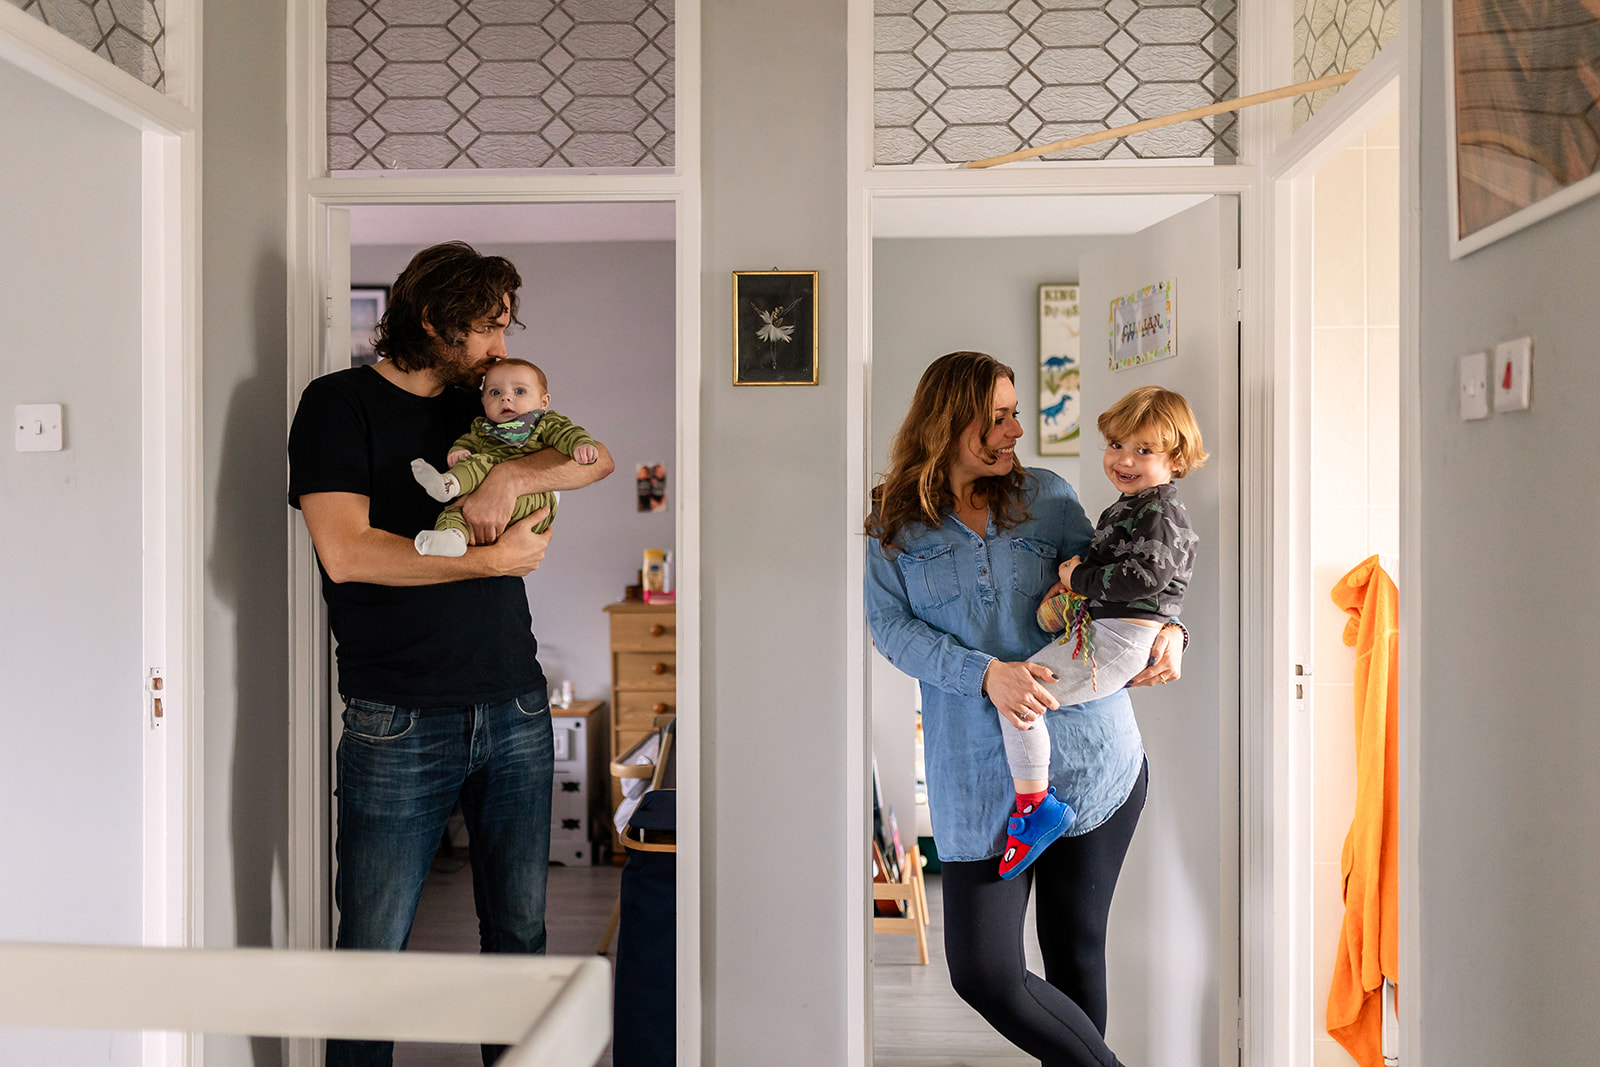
(962, 545)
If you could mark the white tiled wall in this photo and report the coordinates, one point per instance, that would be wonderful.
(1355, 490)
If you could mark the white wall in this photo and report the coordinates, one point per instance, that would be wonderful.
(71, 606)
(1355, 488)
(773, 511)
(1510, 802)
(601, 320)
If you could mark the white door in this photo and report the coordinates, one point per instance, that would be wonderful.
(92, 587)
(1173, 942)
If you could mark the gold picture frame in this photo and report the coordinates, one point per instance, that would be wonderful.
(774, 327)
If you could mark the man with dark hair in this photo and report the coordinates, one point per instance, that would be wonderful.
(438, 668)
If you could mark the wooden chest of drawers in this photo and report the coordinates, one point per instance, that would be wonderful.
(644, 675)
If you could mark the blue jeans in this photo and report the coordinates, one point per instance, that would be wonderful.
(400, 774)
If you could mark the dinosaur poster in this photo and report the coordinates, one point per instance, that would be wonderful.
(1058, 370)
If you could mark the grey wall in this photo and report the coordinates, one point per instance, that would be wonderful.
(602, 324)
(773, 505)
(1510, 808)
(71, 607)
(244, 360)
(936, 295)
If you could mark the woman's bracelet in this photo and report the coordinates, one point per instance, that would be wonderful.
(1181, 627)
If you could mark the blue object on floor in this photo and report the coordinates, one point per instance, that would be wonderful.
(644, 1012)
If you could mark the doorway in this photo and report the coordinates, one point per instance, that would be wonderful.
(600, 301)
(952, 273)
(1345, 312)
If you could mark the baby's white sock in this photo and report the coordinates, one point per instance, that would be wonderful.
(441, 543)
(441, 487)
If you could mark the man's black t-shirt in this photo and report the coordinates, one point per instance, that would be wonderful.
(426, 646)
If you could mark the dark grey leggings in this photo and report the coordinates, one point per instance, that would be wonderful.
(1061, 1018)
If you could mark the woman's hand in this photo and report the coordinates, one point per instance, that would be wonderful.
(1065, 571)
(1015, 690)
(1166, 658)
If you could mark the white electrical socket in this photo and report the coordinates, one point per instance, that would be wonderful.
(1513, 374)
(38, 427)
(1475, 386)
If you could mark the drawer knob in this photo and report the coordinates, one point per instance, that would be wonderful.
(656, 630)
(660, 708)
(658, 668)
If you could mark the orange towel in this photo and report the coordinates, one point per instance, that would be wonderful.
(1369, 941)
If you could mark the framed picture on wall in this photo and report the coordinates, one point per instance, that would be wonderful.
(1058, 370)
(1523, 107)
(367, 305)
(774, 327)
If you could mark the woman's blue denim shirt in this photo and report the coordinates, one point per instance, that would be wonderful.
(946, 606)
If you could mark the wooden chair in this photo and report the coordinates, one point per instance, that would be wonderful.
(660, 776)
(913, 892)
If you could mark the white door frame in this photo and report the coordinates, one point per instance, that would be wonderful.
(311, 193)
(1288, 1006)
(169, 127)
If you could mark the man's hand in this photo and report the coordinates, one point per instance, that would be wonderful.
(487, 509)
(519, 551)
(1166, 656)
(1015, 690)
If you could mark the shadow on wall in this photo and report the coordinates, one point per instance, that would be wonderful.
(247, 579)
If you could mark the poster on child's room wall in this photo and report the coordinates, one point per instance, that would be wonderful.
(1141, 327)
(650, 486)
(1058, 370)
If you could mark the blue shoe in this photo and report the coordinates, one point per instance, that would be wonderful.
(1030, 834)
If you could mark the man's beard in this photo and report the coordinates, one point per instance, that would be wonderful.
(453, 368)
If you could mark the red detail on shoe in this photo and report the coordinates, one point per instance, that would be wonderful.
(1026, 802)
(1014, 854)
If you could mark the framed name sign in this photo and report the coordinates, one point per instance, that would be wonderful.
(1141, 327)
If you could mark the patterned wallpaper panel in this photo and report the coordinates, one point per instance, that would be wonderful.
(1333, 36)
(436, 84)
(964, 79)
(130, 34)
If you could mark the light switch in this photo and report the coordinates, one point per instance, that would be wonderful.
(1513, 374)
(1475, 386)
(38, 427)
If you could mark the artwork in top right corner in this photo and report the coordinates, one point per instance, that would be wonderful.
(1058, 370)
(1523, 81)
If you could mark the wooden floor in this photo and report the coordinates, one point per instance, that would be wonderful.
(577, 908)
(917, 1019)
